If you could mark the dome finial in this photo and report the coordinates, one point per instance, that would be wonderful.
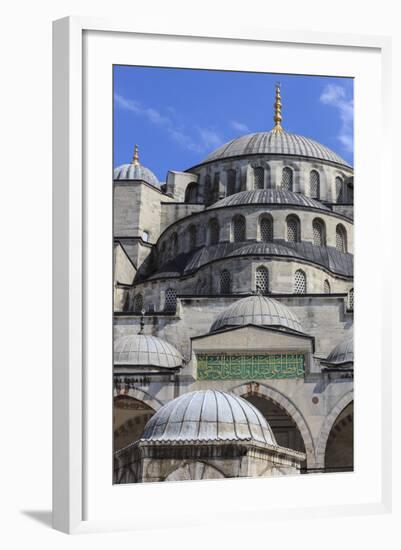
(277, 110)
(135, 158)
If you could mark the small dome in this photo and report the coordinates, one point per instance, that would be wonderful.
(268, 196)
(135, 172)
(275, 143)
(264, 249)
(143, 350)
(342, 353)
(208, 415)
(257, 310)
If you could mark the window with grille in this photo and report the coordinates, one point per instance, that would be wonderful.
(192, 237)
(259, 177)
(318, 233)
(214, 232)
(314, 184)
(138, 303)
(286, 179)
(262, 280)
(231, 181)
(351, 299)
(293, 233)
(239, 229)
(170, 300)
(326, 287)
(339, 189)
(266, 230)
(300, 282)
(341, 238)
(225, 282)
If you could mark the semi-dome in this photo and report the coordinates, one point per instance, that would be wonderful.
(342, 353)
(275, 143)
(257, 310)
(263, 249)
(144, 350)
(135, 171)
(208, 415)
(269, 196)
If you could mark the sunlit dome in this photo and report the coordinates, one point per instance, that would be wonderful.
(257, 310)
(208, 415)
(135, 171)
(145, 350)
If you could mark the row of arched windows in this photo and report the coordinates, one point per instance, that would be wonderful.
(266, 232)
(261, 285)
(343, 193)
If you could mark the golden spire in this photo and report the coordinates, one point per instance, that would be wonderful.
(135, 158)
(277, 111)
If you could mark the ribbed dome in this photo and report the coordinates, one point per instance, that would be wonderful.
(342, 353)
(275, 143)
(257, 310)
(207, 415)
(135, 172)
(263, 249)
(268, 196)
(142, 350)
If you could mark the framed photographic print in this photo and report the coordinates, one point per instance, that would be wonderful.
(208, 241)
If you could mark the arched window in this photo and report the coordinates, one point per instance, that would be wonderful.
(170, 300)
(300, 282)
(192, 236)
(138, 303)
(326, 287)
(318, 231)
(351, 299)
(293, 229)
(339, 189)
(259, 177)
(314, 180)
(191, 192)
(266, 230)
(262, 280)
(231, 182)
(225, 282)
(341, 238)
(214, 231)
(239, 229)
(287, 179)
(216, 186)
(208, 188)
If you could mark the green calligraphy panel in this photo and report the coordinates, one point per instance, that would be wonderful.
(250, 367)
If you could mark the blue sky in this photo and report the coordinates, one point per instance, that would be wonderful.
(178, 116)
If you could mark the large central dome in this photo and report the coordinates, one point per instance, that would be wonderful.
(275, 143)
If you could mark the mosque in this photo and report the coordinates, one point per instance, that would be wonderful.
(233, 313)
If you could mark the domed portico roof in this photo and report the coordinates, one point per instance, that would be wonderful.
(257, 310)
(144, 350)
(135, 171)
(342, 353)
(263, 249)
(208, 415)
(275, 143)
(269, 196)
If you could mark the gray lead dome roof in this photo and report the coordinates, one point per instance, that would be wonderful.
(257, 310)
(269, 196)
(342, 353)
(135, 172)
(208, 415)
(143, 350)
(275, 143)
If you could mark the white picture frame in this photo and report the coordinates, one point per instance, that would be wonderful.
(73, 474)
